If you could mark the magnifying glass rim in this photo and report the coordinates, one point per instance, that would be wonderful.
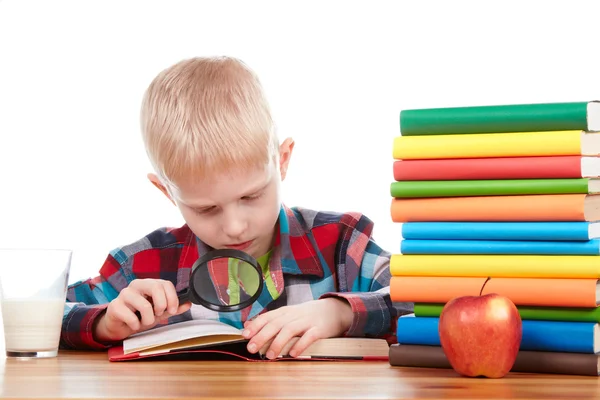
(225, 253)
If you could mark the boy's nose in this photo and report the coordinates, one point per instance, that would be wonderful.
(234, 226)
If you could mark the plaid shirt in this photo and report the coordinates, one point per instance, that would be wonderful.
(316, 255)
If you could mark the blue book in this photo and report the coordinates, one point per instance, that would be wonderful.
(543, 231)
(554, 336)
(417, 246)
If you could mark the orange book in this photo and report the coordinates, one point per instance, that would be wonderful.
(433, 289)
(551, 207)
(549, 292)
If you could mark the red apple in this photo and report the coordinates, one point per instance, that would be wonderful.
(480, 335)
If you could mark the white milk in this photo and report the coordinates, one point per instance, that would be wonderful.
(32, 325)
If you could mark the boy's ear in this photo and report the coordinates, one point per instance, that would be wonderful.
(156, 182)
(285, 153)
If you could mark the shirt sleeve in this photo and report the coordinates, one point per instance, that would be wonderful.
(363, 272)
(87, 301)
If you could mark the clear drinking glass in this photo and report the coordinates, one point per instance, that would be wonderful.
(33, 287)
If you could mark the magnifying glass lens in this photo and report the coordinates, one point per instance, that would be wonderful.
(226, 281)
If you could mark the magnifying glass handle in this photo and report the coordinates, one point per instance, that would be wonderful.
(183, 297)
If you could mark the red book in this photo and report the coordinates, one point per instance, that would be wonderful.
(497, 168)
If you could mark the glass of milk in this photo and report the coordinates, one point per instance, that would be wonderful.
(33, 288)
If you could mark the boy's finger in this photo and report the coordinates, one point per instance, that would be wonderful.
(183, 308)
(285, 351)
(159, 300)
(180, 310)
(265, 347)
(123, 314)
(171, 297)
(251, 328)
(143, 286)
(137, 302)
(309, 337)
(285, 335)
(267, 333)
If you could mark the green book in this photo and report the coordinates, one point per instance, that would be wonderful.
(584, 116)
(498, 187)
(527, 312)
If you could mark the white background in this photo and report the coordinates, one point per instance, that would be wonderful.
(72, 74)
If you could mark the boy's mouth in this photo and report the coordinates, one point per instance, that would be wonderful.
(239, 246)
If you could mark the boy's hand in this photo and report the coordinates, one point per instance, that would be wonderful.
(155, 299)
(312, 320)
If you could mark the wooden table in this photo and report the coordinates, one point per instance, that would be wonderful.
(90, 375)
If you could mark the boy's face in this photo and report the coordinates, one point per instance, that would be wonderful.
(237, 210)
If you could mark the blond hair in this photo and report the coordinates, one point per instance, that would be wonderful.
(203, 116)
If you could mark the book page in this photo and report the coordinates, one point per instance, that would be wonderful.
(193, 344)
(337, 347)
(177, 332)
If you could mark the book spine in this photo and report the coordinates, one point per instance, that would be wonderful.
(518, 144)
(416, 330)
(540, 362)
(434, 310)
(500, 266)
(433, 289)
(560, 291)
(565, 336)
(558, 336)
(527, 231)
(576, 314)
(547, 167)
(590, 247)
(502, 187)
(521, 208)
(419, 356)
(547, 292)
(499, 118)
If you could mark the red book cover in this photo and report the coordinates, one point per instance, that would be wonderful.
(490, 168)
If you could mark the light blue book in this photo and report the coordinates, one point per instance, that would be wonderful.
(555, 336)
(542, 231)
(409, 246)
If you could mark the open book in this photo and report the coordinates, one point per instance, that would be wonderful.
(207, 337)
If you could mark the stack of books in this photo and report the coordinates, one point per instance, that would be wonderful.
(500, 199)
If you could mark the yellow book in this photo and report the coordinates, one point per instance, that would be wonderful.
(496, 266)
(514, 144)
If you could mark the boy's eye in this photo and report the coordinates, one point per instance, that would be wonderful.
(205, 210)
(252, 197)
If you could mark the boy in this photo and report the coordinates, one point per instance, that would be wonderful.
(209, 135)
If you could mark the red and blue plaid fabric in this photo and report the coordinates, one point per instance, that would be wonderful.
(316, 255)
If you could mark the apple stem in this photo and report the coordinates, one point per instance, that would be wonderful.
(482, 286)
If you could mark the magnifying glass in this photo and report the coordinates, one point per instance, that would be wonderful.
(223, 280)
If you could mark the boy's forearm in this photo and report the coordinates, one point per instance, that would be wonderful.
(99, 333)
(374, 315)
(78, 327)
(344, 311)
